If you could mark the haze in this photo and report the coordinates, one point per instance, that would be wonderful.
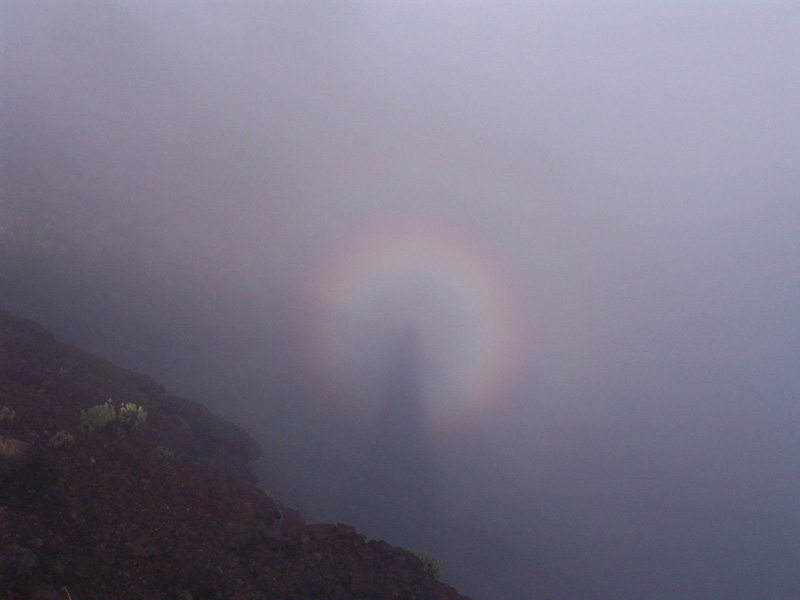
(517, 284)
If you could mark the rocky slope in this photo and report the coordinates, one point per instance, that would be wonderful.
(166, 509)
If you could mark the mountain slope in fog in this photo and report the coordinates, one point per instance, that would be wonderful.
(168, 510)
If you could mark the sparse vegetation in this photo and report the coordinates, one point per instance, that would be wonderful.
(129, 418)
(162, 453)
(98, 416)
(63, 439)
(131, 415)
(432, 564)
(6, 414)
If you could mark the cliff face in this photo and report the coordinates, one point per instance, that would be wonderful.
(166, 509)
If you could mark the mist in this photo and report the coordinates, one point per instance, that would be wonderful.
(517, 284)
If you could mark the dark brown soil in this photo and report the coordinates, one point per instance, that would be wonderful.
(106, 518)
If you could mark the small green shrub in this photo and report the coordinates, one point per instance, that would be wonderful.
(131, 415)
(129, 418)
(6, 414)
(432, 564)
(63, 439)
(98, 416)
(162, 453)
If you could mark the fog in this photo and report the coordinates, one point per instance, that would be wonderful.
(517, 284)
